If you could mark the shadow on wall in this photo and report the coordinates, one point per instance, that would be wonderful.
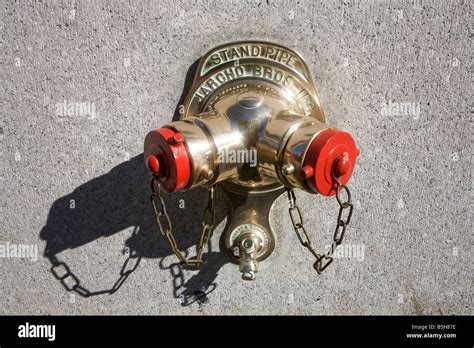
(119, 200)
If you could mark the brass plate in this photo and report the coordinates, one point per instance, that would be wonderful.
(249, 63)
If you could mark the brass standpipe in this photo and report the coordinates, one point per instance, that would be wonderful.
(252, 123)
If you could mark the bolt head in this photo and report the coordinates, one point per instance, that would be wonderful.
(307, 172)
(153, 164)
(207, 174)
(342, 165)
(177, 138)
(288, 169)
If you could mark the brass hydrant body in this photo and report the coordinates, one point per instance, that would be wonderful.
(251, 123)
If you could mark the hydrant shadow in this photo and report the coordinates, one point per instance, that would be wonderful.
(117, 201)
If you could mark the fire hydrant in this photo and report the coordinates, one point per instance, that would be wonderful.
(252, 123)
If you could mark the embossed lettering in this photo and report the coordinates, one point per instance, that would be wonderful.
(276, 54)
(216, 59)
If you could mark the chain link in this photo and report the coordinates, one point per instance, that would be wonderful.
(325, 259)
(166, 228)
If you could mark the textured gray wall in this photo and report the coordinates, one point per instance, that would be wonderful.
(412, 184)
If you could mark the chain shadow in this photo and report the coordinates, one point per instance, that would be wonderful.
(119, 200)
(116, 201)
(198, 287)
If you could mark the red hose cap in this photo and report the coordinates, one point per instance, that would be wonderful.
(332, 150)
(166, 157)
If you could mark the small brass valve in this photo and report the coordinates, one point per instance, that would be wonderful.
(252, 123)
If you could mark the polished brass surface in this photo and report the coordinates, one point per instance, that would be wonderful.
(250, 98)
(260, 66)
(238, 89)
(247, 212)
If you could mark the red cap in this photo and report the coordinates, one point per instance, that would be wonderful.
(331, 151)
(166, 157)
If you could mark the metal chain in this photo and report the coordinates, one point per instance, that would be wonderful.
(322, 260)
(164, 223)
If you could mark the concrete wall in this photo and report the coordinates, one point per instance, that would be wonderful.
(75, 185)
